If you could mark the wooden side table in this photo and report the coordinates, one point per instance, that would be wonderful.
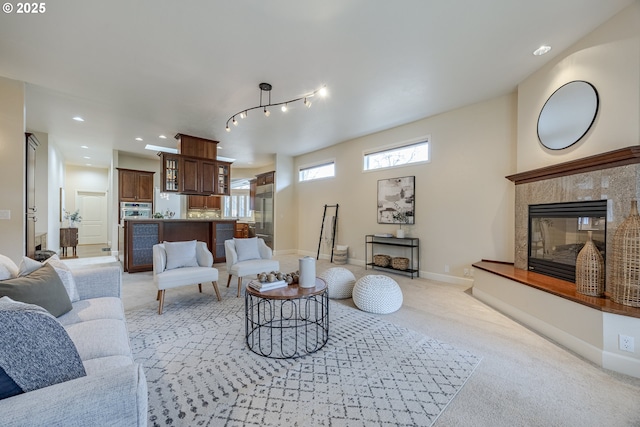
(68, 238)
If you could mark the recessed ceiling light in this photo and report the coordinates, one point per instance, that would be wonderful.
(88, 164)
(542, 50)
(86, 157)
(78, 119)
(162, 137)
(83, 146)
(138, 139)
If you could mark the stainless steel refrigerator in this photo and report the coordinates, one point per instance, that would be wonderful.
(264, 213)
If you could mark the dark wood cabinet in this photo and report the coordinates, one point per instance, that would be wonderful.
(204, 202)
(266, 178)
(68, 238)
(32, 144)
(135, 185)
(197, 147)
(170, 169)
(142, 234)
(242, 230)
(223, 178)
(189, 176)
(195, 175)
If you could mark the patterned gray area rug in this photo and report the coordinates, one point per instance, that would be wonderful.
(371, 372)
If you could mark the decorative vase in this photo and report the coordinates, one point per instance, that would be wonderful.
(590, 270)
(625, 287)
(307, 267)
(400, 233)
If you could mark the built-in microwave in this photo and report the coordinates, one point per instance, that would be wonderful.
(132, 210)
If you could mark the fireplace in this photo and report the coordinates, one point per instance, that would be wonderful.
(558, 231)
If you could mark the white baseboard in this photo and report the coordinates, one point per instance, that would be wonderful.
(455, 280)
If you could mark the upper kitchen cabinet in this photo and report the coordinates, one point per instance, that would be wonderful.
(198, 176)
(223, 174)
(170, 168)
(266, 178)
(135, 185)
(197, 147)
(204, 202)
(195, 169)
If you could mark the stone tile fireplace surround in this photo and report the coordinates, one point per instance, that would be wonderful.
(589, 326)
(614, 176)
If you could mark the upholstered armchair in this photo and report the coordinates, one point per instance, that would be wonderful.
(180, 264)
(248, 256)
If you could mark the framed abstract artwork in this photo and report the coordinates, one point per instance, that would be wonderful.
(396, 200)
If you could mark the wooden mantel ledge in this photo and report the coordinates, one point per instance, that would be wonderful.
(610, 159)
(560, 288)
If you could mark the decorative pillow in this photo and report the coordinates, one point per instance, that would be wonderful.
(28, 265)
(64, 272)
(43, 287)
(247, 248)
(8, 268)
(37, 351)
(181, 254)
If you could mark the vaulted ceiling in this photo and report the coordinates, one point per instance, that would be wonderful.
(140, 69)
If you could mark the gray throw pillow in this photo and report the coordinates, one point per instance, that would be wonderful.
(36, 351)
(181, 254)
(65, 274)
(43, 287)
(247, 248)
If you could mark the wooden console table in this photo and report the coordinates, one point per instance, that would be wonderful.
(68, 238)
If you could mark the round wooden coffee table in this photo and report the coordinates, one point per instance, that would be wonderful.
(287, 322)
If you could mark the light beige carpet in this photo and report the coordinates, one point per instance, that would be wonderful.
(523, 379)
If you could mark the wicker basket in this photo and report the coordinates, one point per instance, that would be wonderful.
(590, 270)
(340, 256)
(400, 263)
(382, 260)
(626, 260)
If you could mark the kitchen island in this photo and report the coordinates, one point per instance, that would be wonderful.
(141, 234)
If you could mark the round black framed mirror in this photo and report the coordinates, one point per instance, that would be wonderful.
(568, 115)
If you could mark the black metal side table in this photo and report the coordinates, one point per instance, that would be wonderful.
(287, 322)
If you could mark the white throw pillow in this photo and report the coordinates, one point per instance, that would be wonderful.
(28, 265)
(8, 268)
(181, 254)
(247, 248)
(64, 272)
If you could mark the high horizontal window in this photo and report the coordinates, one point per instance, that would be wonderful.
(399, 155)
(318, 171)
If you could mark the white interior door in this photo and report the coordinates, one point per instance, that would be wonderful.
(93, 210)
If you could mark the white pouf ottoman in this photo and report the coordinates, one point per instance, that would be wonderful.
(377, 294)
(340, 282)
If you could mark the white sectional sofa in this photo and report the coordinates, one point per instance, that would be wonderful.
(114, 390)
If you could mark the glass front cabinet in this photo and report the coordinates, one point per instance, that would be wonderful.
(222, 183)
(170, 169)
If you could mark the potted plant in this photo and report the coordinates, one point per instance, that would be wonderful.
(73, 218)
(401, 216)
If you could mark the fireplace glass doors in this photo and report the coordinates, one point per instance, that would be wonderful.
(558, 231)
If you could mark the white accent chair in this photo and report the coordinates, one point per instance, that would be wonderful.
(250, 262)
(183, 276)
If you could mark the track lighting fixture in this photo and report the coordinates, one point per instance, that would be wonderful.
(266, 87)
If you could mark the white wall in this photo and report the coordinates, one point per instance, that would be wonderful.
(12, 165)
(608, 58)
(55, 182)
(285, 218)
(464, 205)
(83, 178)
